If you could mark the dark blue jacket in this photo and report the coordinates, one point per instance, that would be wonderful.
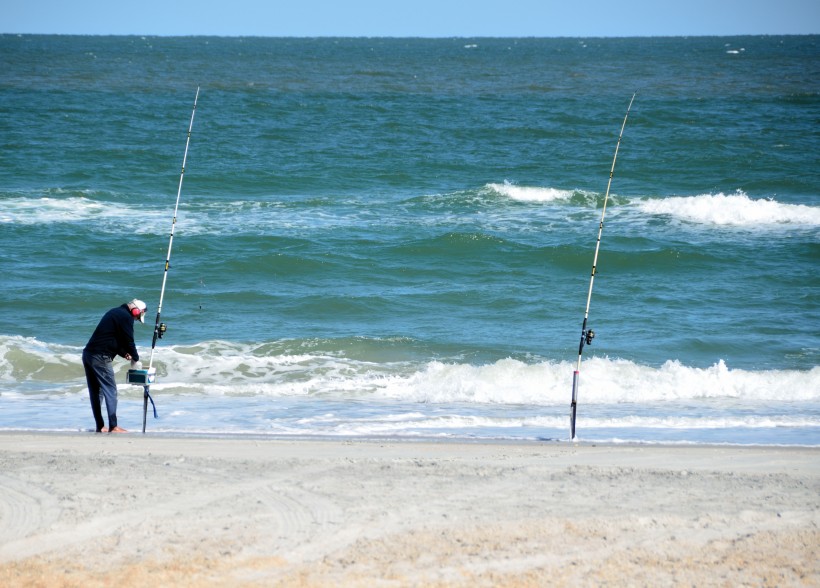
(114, 335)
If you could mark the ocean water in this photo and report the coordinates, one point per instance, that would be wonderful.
(394, 237)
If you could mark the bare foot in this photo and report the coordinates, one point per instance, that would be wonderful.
(118, 430)
(103, 430)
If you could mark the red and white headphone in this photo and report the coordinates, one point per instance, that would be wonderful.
(138, 308)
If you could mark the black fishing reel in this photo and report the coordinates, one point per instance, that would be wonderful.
(589, 335)
(161, 330)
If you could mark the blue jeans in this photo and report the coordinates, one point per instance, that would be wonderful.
(99, 374)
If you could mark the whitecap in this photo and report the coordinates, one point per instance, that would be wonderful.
(732, 210)
(530, 194)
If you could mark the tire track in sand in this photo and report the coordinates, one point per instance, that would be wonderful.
(23, 508)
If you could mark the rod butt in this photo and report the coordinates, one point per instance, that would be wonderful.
(144, 408)
(573, 407)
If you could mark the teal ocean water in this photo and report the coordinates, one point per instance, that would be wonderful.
(395, 236)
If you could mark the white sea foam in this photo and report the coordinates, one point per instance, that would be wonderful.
(107, 216)
(427, 424)
(605, 381)
(732, 210)
(530, 194)
(289, 388)
(30, 211)
(192, 218)
(28, 361)
(219, 368)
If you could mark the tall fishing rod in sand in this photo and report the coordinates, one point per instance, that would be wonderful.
(146, 377)
(588, 334)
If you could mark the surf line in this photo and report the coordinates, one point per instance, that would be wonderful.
(588, 334)
(147, 377)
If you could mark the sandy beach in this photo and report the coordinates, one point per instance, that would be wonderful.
(133, 510)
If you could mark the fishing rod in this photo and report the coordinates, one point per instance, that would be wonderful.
(159, 328)
(588, 334)
(146, 377)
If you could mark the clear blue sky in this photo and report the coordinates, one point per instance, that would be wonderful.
(412, 18)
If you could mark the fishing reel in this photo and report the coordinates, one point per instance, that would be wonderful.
(589, 335)
(161, 330)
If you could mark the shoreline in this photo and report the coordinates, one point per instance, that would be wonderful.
(84, 509)
(366, 438)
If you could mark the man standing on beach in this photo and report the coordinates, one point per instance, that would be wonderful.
(113, 336)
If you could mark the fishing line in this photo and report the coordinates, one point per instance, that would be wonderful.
(588, 334)
(146, 377)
